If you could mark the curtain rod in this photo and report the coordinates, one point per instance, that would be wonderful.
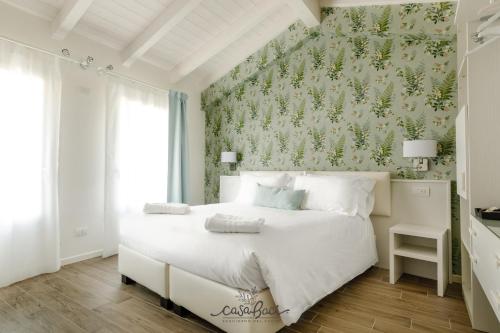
(39, 49)
(100, 70)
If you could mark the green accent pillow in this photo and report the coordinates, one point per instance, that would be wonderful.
(278, 197)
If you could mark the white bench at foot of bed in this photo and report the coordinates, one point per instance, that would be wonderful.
(144, 270)
(207, 299)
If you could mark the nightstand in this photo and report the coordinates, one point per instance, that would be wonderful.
(419, 242)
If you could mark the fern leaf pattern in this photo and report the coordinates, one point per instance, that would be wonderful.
(298, 154)
(360, 135)
(318, 57)
(383, 102)
(441, 96)
(282, 138)
(298, 75)
(357, 17)
(318, 138)
(439, 12)
(266, 156)
(413, 129)
(254, 108)
(382, 154)
(337, 108)
(382, 23)
(413, 80)
(282, 104)
(318, 97)
(336, 153)
(360, 91)
(335, 69)
(268, 118)
(298, 116)
(446, 148)
(267, 84)
(359, 46)
(382, 54)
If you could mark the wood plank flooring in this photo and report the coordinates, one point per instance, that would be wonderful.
(89, 297)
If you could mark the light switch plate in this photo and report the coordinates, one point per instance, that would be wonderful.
(422, 191)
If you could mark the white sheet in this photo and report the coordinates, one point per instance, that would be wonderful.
(301, 256)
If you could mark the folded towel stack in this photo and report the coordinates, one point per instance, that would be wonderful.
(231, 223)
(166, 208)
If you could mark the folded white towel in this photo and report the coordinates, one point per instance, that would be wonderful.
(166, 208)
(231, 223)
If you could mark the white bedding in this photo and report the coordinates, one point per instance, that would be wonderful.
(301, 256)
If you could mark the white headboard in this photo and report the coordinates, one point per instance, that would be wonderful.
(425, 202)
(230, 185)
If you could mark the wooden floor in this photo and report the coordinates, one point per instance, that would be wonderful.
(89, 297)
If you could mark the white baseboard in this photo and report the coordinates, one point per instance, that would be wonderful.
(456, 278)
(81, 257)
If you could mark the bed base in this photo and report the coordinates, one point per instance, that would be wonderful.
(136, 267)
(126, 280)
(207, 298)
(184, 292)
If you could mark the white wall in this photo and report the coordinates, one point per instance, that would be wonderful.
(83, 125)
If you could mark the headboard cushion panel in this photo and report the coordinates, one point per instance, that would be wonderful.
(271, 173)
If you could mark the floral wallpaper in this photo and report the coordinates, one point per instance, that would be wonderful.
(341, 96)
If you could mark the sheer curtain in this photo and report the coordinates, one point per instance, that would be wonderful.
(136, 153)
(30, 93)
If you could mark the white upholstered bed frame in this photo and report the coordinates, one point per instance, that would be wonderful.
(396, 201)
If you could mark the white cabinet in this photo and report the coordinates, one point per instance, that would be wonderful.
(478, 165)
(486, 262)
(461, 147)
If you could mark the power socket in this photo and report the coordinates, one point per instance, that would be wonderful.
(422, 191)
(81, 232)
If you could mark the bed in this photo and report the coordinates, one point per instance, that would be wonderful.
(298, 258)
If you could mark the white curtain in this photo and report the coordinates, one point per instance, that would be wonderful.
(30, 93)
(136, 153)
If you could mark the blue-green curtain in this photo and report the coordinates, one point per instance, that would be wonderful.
(177, 149)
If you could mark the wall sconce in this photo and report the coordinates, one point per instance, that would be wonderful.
(229, 157)
(420, 150)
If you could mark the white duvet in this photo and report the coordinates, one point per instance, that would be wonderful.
(301, 256)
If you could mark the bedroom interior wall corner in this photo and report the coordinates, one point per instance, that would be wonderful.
(81, 166)
(342, 96)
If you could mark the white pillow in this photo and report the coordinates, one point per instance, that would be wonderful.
(248, 185)
(347, 195)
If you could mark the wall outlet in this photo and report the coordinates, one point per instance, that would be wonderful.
(422, 191)
(81, 232)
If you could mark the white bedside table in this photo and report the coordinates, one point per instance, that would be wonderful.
(400, 249)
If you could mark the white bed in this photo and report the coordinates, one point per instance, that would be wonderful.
(298, 258)
(300, 255)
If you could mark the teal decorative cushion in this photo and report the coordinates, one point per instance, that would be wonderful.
(278, 197)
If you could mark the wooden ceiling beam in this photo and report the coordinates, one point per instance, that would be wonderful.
(165, 22)
(68, 17)
(223, 39)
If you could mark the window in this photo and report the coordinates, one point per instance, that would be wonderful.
(142, 153)
(21, 144)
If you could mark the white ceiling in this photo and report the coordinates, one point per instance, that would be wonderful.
(202, 38)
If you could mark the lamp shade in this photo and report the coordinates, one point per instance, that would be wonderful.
(420, 148)
(228, 157)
